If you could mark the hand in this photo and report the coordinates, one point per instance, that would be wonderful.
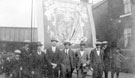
(11, 75)
(20, 68)
(32, 72)
(91, 69)
(2, 67)
(84, 64)
(54, 65)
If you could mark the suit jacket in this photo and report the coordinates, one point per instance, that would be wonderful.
(68, 60)
(106, 58)
(16, 66)
(95, 59)
(25, 57)
(53, 57)
(84, 59)
(117, 58)
(38, 60)
(7, 66)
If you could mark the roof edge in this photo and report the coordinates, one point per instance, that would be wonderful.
(99, 4)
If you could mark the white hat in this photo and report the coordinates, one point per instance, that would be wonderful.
(17, 51)
(98, 43)
(104, 42)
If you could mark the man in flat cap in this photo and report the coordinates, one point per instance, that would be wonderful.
(54, 57)
(106, 57)
(82, 61)
(25, 51)
(96, 57)
(16, 65)
(68, 62)
(38, 62)
(104, 45)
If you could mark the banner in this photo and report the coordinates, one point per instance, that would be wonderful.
(67, 20)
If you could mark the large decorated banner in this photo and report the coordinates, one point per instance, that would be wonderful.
(67, 20)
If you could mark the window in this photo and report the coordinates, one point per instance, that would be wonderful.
(127, 36)
(127, 6)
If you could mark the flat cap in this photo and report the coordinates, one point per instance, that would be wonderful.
(17, 51)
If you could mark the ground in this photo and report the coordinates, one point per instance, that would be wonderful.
(122, 75)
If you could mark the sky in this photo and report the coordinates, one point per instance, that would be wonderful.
(17, 13)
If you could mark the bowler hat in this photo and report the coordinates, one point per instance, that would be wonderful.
(67, 42)
(82, 43)
(54, 39)
(39, 44)
(98, 43)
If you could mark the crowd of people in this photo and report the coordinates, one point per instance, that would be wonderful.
(57, 63)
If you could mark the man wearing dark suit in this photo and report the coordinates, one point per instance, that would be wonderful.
(68, 63)
(116, 60)
(96, 57)
(38, 62)
(26, 60)
(82, 61)
(54, 58)
(106, 57)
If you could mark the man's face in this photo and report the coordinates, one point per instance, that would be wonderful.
(105, 46)
(98, 46)
(82, 47)
(17, 57)
(26, 46)
(8, 58)
(67, 46)
(39, 47)
(54, 43)
(117, 51)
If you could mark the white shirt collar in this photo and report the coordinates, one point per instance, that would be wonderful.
(53, 48)
(81, 52)
(98, 52)
(39, 52)
(67, 50)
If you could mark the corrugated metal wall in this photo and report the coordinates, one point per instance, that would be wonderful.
(18, 34)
